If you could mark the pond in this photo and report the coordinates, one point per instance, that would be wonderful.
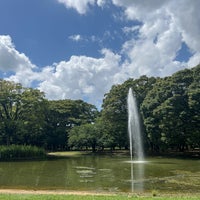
(103, 174)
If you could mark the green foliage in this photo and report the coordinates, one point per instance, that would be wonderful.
(84, 136)
(63, 115)
(169, 108)
(26, 117)
(171, 111)
(114, 113)
(21, 114)
(21, 152)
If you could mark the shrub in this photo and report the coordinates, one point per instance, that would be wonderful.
(20, 152)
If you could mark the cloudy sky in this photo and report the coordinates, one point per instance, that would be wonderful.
(78, 49)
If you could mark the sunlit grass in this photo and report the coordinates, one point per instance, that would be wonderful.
(91, 197)
(68, 153)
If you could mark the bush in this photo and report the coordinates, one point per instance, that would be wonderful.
(21, 152)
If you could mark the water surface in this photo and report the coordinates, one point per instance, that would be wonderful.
(103, 173)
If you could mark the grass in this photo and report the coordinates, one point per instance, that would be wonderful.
(68, 153)
(90, 197)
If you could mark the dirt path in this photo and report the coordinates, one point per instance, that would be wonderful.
(53, 192)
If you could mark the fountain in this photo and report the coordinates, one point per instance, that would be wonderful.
(136, 148)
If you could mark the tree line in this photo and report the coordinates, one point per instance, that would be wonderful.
(28, 118)
(169, 108)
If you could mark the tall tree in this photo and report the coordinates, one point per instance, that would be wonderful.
(194, 108)
(21, 111)
(167, 110)
(33, 114)
(10, 104)
(84, 136)
(64, 115)
(114, 111)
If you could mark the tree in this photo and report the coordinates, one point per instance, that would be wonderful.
(21, 113)
(84, 136)
(194, 109)
(154, 97)
(105, 139)
(114, 116)
(167, 111)
(33, 114)
(114, 112)
(10, 94)
(64, 115)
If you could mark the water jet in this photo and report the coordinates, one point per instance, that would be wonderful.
(134, 130)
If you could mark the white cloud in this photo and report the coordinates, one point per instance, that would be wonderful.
(101, 3)
(139, 10)
(11, 59)
(82, 77)
(165, 26)
(167, 23)
(75, 37)
(194, 60)
(187, 18)
(130, 29)
(80, 5)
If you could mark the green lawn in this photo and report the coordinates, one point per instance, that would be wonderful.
(89, 197)
(68, 153)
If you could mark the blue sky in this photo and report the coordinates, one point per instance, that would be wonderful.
(78, 49)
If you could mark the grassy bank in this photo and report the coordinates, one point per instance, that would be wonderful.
(59, 154)
(12, 152)
(90, 197)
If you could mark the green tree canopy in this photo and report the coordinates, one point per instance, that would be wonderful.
(64, 115)
(114, 112)
(168, 110)
(21, 113)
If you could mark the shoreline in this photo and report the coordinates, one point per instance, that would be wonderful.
(54, 192)
(93, 193)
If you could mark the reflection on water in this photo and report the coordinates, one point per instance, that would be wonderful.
(137, 177)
